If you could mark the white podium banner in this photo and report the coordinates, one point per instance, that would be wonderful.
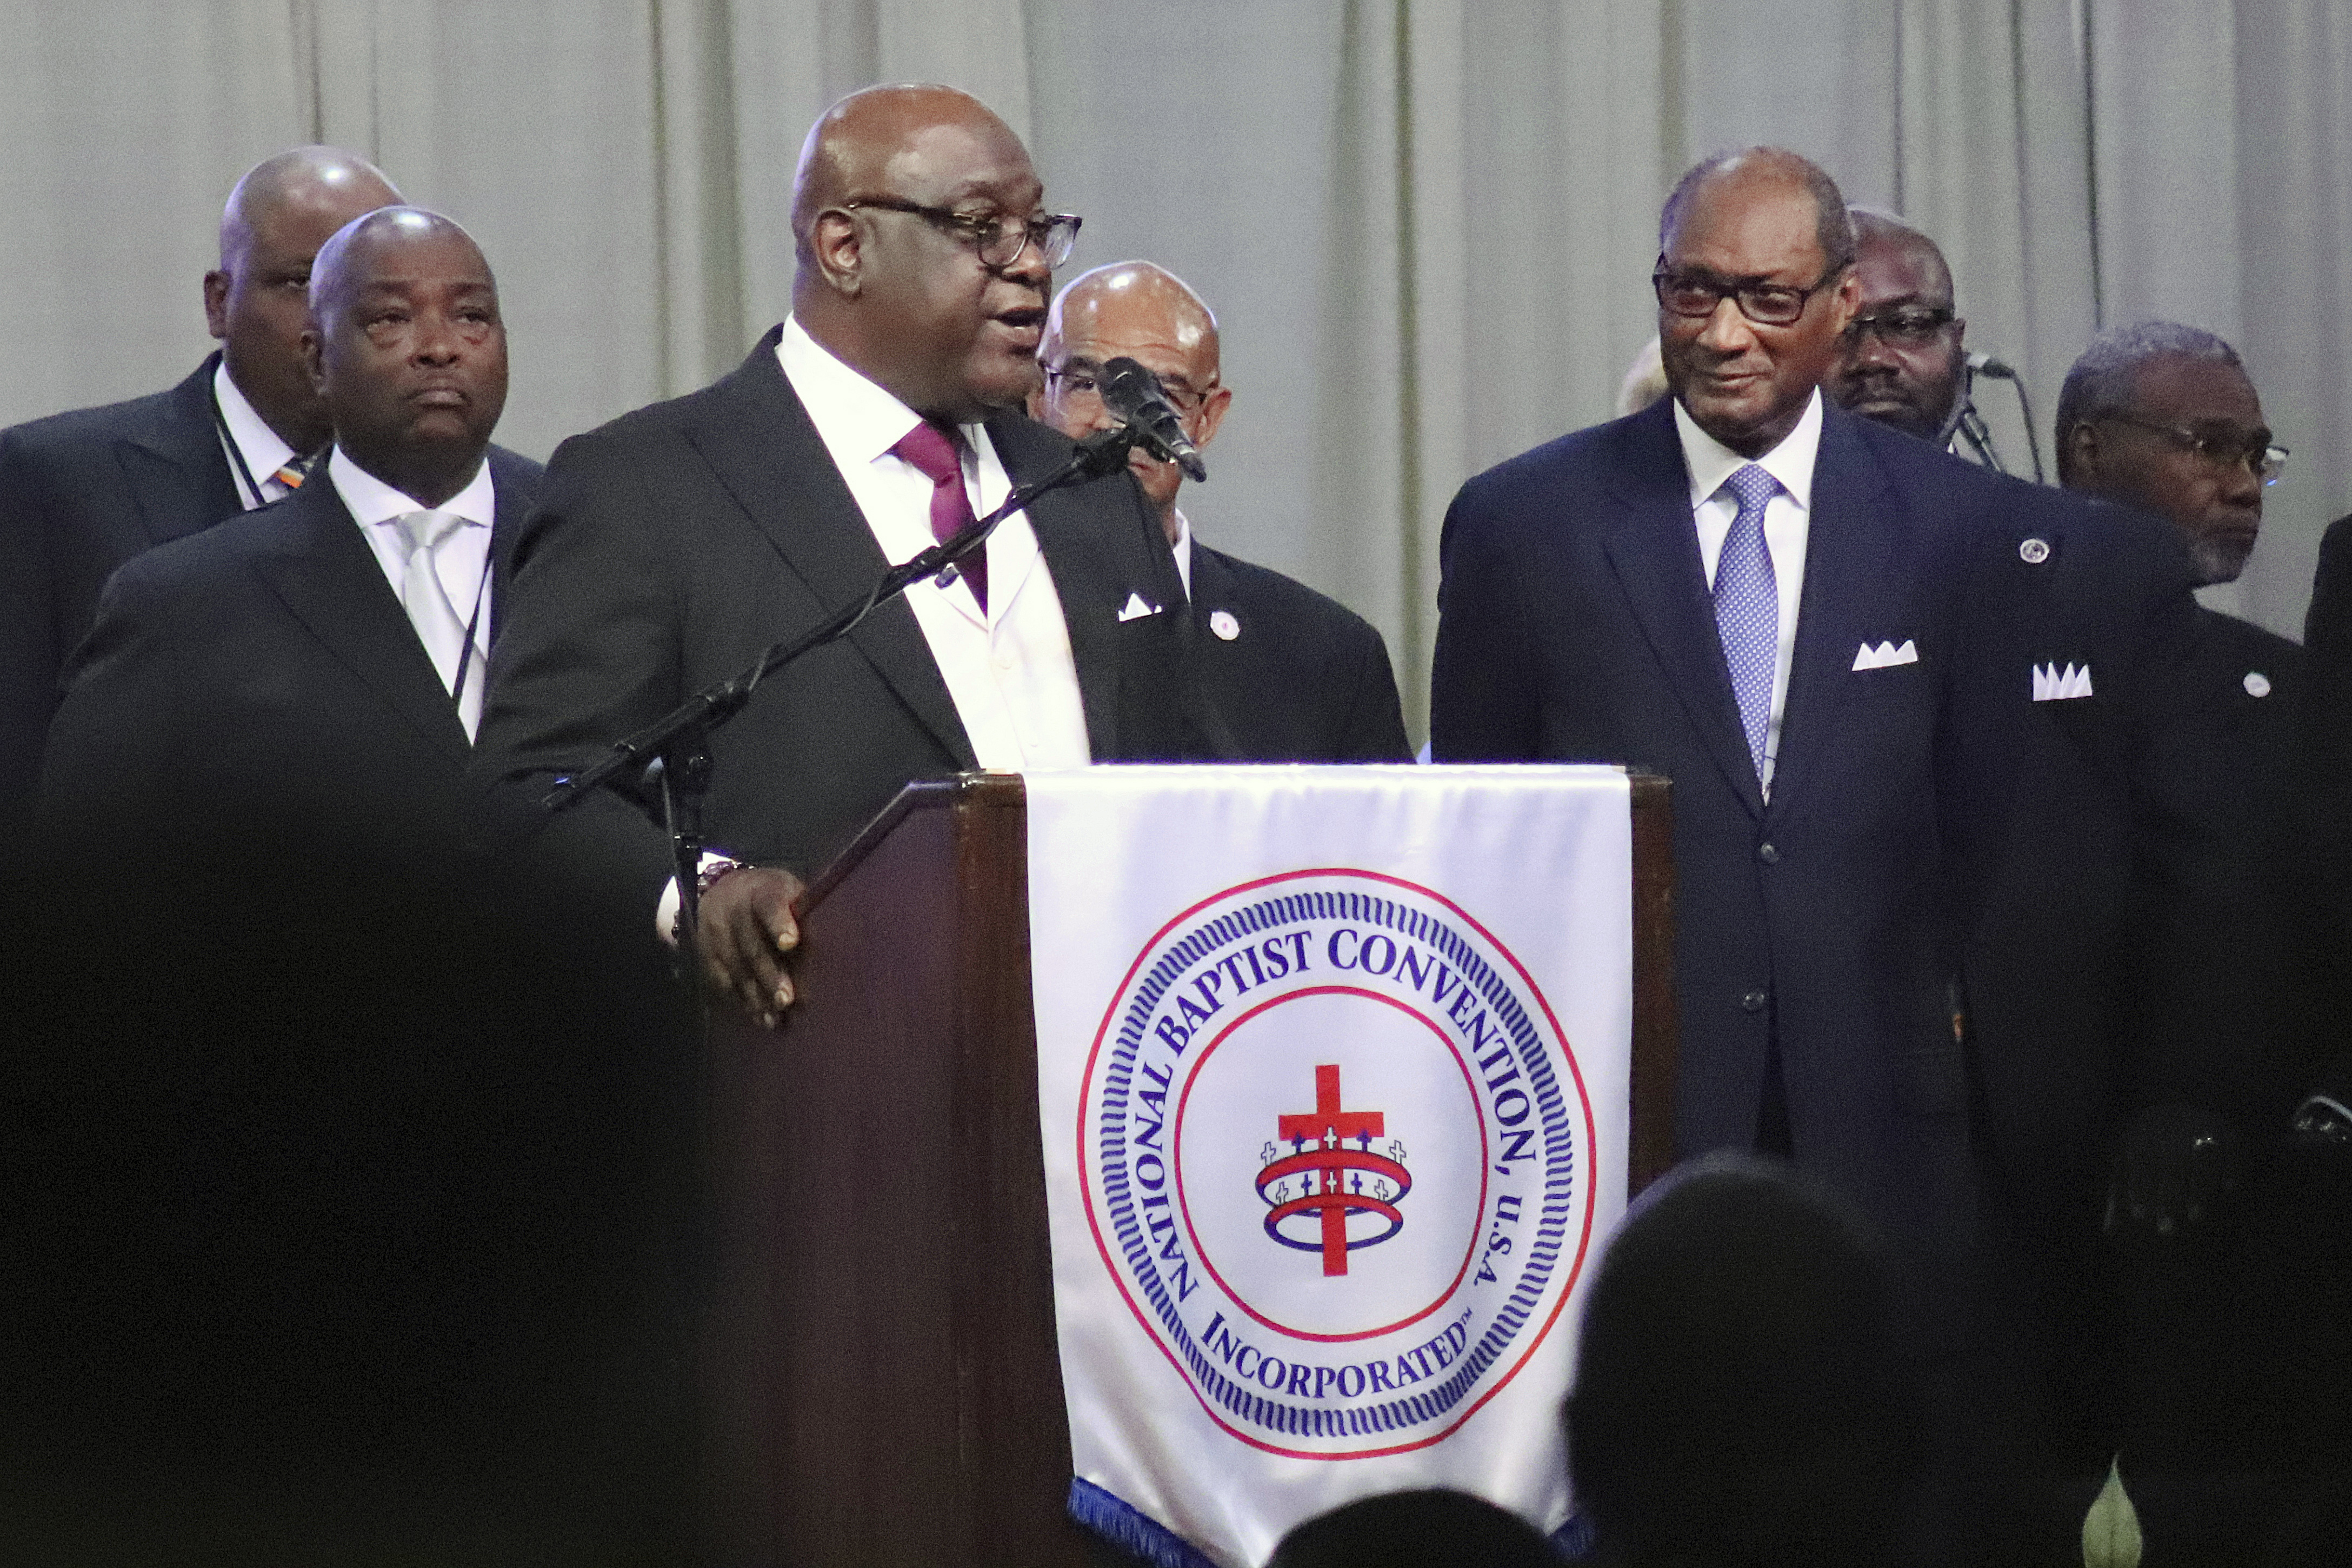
(1333, 1068)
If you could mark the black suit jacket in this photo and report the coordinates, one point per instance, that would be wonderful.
(2098, 862)
(671, 547)
(2326, 760)
(1302, 678)
(82, 493)
(258, 683)
(1576, 625)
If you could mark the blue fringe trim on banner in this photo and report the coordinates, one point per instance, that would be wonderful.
(1574, 1540)
(1119, 1524)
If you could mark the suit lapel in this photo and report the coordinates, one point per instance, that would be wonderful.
(767, 453)
(1212, 584)
(177, 473)
(1852, 536)
(1653, 547)
(513, 494)
(1095, 573)
(326, 574)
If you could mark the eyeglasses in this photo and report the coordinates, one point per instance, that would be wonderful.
(999, 237)
(1762, 301)
(1913, 327)
(2232, 451)
(1083, 382)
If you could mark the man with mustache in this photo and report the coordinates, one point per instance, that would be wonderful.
(676, 543)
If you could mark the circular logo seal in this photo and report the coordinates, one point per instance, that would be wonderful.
(1338, 1155)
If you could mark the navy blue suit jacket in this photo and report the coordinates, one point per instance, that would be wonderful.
(1576, 625)
(1937, 832)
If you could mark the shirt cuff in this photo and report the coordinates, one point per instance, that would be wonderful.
(666, 910)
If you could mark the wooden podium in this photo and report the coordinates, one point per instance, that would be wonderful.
(883, 1361)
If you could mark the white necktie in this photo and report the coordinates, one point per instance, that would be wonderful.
(438, 625)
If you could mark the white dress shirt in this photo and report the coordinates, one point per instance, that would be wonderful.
(462, 561)
(1711, 464)
(257, 452)
(1010, 671)
(1185, 553)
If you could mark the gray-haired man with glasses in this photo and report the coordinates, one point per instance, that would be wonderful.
(2162, 416)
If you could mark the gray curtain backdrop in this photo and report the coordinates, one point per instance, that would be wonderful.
(1427, 225)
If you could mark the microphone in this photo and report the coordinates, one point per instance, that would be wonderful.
(1986, 365)
(1134, 395)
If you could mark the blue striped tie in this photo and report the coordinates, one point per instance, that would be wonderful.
(1747, 607)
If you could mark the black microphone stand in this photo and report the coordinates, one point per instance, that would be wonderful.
(673, 753)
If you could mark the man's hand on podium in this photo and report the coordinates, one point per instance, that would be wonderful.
(748, 935)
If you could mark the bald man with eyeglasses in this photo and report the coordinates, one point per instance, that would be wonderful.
(1296, 677)
(673, 545)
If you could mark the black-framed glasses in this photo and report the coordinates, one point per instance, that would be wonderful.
(2255, 452)
(1080, 379)
(1906, 327)
(1000, 238)
(1761, 301)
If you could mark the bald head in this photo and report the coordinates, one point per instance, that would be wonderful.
(1881, 235)
(1755, 172)
(1139, 311)
(1129, 292)
(407, 349)
(278, 216)
(889, 279)
(322, 180)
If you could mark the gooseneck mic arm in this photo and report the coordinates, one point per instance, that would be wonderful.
(674, 752)
(1986, 365)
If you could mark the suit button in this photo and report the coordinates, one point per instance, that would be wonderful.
(1768, 854)
(1753, 1003)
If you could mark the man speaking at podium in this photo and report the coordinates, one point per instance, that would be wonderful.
(675, 545)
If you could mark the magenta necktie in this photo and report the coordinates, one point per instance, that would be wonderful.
(938, 454)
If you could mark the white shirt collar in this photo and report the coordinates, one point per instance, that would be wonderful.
(371, 500)
(858, 419)
(1710, 462)
(264, 451)
(1183, 548)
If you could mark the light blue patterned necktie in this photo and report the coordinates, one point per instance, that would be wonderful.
(1747, 607)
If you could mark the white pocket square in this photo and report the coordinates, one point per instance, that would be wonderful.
(2052, 684)
(1135, 608)
(1869, 658)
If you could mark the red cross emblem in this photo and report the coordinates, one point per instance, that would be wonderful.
(1334, 1180)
